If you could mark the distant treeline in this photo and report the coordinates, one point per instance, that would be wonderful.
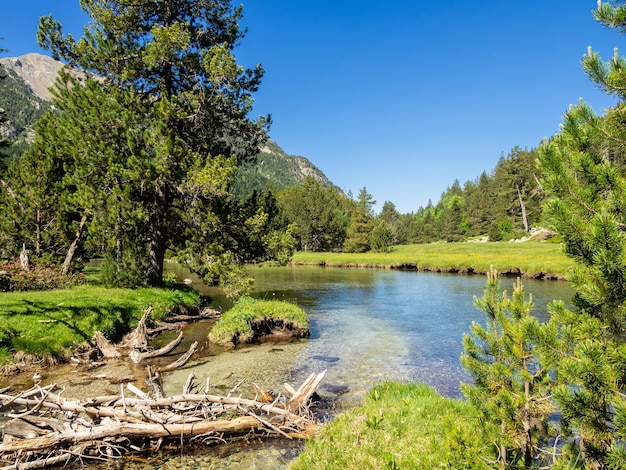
(502, 204)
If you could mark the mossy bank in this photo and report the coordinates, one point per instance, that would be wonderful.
(250, 320)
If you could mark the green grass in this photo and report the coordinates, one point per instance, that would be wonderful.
(51, 323)
(400, 426)
(238, 325)
(528, 258)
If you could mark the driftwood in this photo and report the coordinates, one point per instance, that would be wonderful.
(137, 356)
(300, 398)
(182, 360)
(139, 338)
(104, 345)
(47, 429)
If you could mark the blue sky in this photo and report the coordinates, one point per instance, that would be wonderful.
(402, 97)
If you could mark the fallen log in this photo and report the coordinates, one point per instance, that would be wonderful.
(47, 429)
(182, 360)
(132, 431)
(137, 356)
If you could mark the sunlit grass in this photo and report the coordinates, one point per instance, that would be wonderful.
(400, 426)
(53, 322)
(529, 258)
(237, 324)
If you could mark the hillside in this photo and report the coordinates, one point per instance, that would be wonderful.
(25, 96)
(23, 91)
(273, 164)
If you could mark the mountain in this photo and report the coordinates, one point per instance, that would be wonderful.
(24, 92)
(273, 164)
(36, 70)
(25, 95)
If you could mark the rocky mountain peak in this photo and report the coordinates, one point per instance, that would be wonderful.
(37, 70)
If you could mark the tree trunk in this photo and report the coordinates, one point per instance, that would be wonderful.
(523, 206)
(38, 232)
(72, 249)
(528, 455)
(156, 255)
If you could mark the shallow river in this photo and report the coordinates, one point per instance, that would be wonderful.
(367, 326)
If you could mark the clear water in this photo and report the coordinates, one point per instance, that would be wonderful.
(366, 326)
(388, 324)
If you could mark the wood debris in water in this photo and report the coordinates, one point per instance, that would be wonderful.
(46, 429)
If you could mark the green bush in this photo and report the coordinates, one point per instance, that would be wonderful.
(500, 230)
(15, 277)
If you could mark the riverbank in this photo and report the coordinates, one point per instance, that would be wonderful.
(45, 326)
(400, 426)
(536, 260)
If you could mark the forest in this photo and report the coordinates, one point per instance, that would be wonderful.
(136, 162)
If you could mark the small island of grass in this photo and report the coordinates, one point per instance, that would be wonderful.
(250, 320)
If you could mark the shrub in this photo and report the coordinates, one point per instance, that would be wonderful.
(15, 277)
(500, 230)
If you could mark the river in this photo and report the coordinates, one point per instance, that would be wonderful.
(366, 326)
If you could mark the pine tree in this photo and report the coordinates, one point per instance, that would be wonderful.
(4, 142)
(381, 237)
(584, 175)
(510, 387)
(174, 62)
(318, 212)
(361, 224)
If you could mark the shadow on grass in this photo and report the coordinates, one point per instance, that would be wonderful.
(48, 327)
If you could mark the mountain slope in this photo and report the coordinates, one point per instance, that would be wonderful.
(273, 164)
(25, 95)
(25, 99)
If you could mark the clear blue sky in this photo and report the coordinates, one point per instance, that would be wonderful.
(403, 96)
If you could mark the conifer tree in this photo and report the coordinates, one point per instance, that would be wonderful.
(4, 142)
(584, 175)
(510, 387)
(318, 212)
(174, 61)
(361, 224)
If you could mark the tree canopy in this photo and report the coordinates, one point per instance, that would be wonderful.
(167, 107)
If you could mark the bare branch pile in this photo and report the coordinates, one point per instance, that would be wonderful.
(46, 429)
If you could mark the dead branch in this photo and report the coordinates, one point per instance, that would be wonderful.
(137, 356)
(47, 429)
(302, 396)
(182, 360)
(104, 345)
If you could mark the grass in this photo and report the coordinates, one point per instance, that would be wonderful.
(532, 259)
(242, 323)
(51, 323)
(400, 426)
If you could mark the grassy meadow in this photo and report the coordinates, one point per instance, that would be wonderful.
(51, 323)
(529, 259)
